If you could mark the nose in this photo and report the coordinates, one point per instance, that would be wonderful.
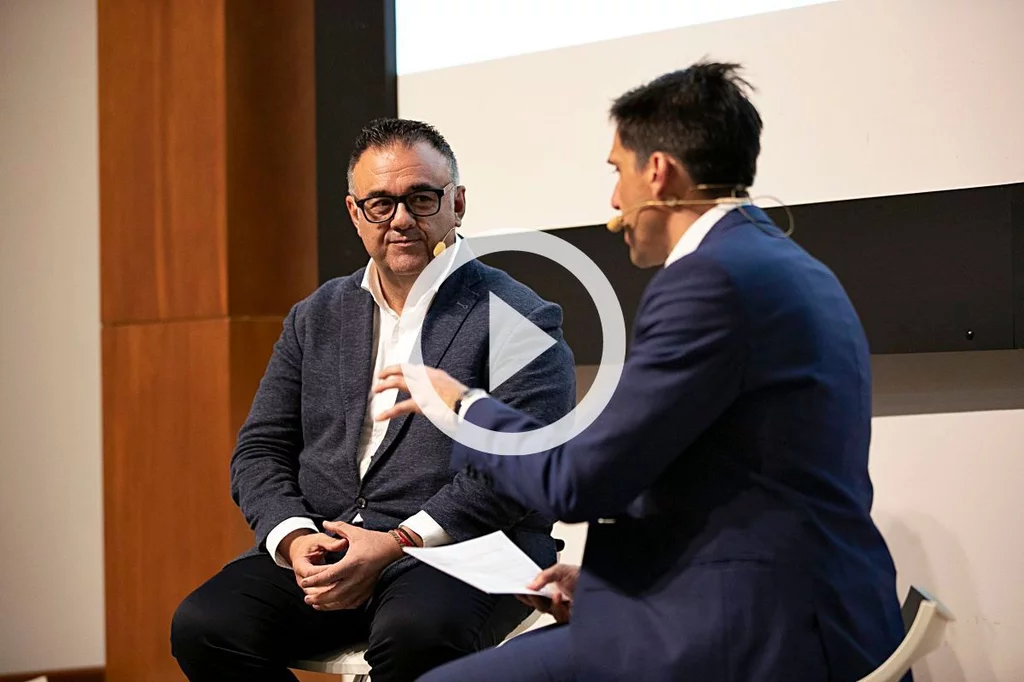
(616, 204)
(402, 220)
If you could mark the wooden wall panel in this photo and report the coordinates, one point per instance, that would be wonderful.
(170, 522)
(271, 178)
(208, 236)
(162, 159)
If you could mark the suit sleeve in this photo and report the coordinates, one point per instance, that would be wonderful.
(265, 464)
(543, 391)
(684, 369)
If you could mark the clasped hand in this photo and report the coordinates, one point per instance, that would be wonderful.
(348, 583)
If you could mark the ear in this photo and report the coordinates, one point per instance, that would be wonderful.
(657, 173)
(667, 176)
(459, 204)
(353, 210)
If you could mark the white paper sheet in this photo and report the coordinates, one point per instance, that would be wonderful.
(491, 563)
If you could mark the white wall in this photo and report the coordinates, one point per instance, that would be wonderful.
(494, 30)
(948, 489)
(860, 98)
(51, 542)
(948, 500)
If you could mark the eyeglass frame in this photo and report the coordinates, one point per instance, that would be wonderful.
(402, 200)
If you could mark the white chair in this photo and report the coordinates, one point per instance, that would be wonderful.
(925, 619)
(350, 661)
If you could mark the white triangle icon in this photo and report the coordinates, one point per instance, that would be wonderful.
(515, 342)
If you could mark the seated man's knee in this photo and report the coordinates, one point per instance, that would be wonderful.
(201, 628)
(413, 637)
(190, 628)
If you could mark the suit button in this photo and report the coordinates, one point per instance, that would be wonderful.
(361, 502)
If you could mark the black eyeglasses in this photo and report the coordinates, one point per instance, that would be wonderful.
(421, 203)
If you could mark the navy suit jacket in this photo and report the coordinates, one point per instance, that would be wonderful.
(727, 480)
(297, 451)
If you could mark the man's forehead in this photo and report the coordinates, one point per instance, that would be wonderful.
(402, 164)
(617, 151)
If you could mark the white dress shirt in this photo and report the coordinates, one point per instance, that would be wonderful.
(695, 234)
(686, 245)
(394, 336)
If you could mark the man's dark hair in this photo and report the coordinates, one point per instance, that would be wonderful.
(382, 133)
(700, 115)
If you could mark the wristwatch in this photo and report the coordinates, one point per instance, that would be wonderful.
(467, 395)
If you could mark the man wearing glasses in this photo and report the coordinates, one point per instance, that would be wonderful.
(328, 490)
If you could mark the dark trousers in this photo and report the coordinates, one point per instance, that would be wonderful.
(248, 621)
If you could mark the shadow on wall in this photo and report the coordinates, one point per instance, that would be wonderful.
(930, 556)
(930, 383)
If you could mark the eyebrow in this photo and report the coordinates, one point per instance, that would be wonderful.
(413, 188)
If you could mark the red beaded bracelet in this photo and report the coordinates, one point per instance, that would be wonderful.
(401, 538)
(407, 535)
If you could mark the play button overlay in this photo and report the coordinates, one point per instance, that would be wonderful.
(515, 342)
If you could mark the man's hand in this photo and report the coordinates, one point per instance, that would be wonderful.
(564, 578)
(448, 390)
(306, 551)
(349, 583)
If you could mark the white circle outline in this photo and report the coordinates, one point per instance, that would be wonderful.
(613, 352)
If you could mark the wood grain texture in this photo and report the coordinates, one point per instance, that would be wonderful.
(208, 236)
(169, 520)
(271, 155)
(70, 675)
(175, 395)
(163, 209)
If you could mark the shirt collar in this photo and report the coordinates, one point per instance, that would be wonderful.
(695, 234)
(371, 279)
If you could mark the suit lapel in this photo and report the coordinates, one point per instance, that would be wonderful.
(448, 311)
(356, 358)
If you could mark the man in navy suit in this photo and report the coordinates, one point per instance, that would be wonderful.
(726, 484)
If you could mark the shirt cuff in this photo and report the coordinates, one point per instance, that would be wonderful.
(471, 397)
(427, 528)
(282, 529)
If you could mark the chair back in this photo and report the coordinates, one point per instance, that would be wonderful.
(924, 619)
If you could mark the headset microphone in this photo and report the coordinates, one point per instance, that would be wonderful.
(739, 198)
(616, 223)
(440, 247)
